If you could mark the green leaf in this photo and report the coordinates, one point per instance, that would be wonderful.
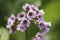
(4, 35)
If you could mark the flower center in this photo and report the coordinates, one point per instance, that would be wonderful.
(39, 16)
(21, 15)
(30, 14)
(25, 21)
(27, 7)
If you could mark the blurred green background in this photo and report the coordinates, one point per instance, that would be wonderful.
(52, 13)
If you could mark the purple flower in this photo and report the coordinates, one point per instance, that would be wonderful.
(20, 16)
(40, 15)
(45, 25)
(11, 20)
(27, 7)
(31, 14)
(47, 30)
(35, 8)
(9, 27)
(21, 27)
(10, 23)
(39, 36)
(25, 22)
(41, 12)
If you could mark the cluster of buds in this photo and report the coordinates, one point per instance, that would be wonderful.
(22, 21)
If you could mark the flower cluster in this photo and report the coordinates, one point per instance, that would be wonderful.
(39, 36)
(22, 21)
